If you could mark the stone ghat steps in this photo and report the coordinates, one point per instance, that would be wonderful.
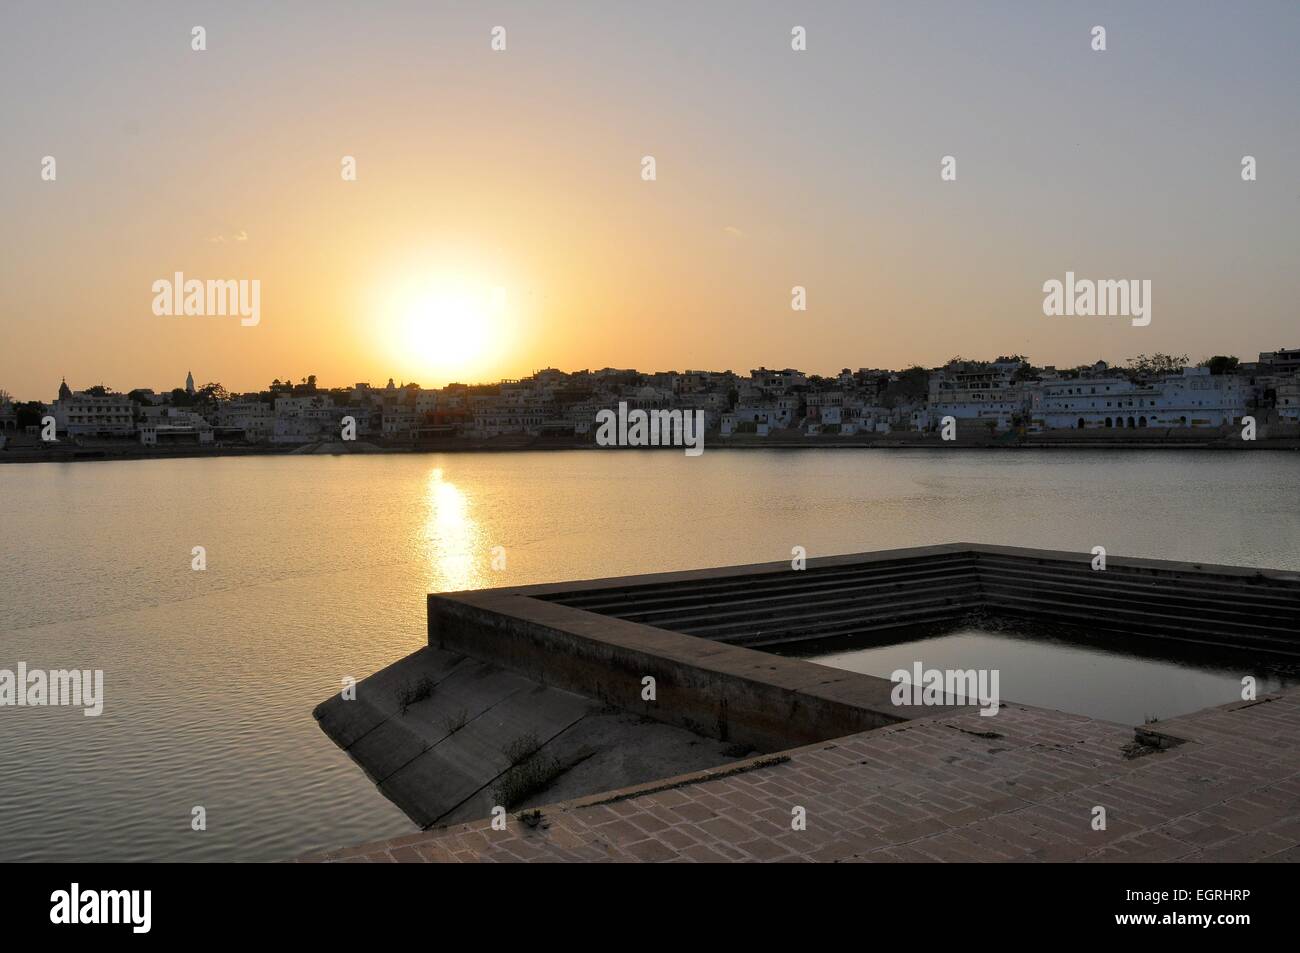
(1153, 627)
(814, 618)
(445, 756)
(1176, 595)
(1262, 591)
(628, 601)
(1084, 612)
(1211, 610)
(1088, 601)
(1245, 611)
(909, 619)
(771, 608)
(1270, 602)
(751, 605)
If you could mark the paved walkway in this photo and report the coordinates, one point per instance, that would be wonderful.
(1020, 786)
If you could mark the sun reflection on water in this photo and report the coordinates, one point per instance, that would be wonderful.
(452, 539)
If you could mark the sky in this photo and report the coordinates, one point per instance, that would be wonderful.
(499, 221)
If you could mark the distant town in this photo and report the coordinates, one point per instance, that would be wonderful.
(1008, 401)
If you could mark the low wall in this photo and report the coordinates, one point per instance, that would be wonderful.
(726, 692)
(688, 631)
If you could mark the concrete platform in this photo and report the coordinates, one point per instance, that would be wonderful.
(443, 756)
(1226, 788)
(568, 664)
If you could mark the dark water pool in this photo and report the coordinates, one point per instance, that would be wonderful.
(1070, 670)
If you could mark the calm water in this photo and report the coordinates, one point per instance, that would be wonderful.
(317, 568)
(1096, 679)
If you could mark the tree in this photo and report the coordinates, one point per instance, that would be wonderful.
(911, 385)
(1221, 364)
(1156, 365)
(210, 393)
(1026, 372)
(29, 413)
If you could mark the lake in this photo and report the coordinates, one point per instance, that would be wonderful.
(317, 568)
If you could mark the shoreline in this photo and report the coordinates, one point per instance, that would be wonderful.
(91, 454)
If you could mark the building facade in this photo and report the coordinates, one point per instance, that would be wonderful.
(1194, 398)
(92, 415)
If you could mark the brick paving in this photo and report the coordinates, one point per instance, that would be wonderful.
(1020, 786)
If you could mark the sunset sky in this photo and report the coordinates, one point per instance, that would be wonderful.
(521, 171)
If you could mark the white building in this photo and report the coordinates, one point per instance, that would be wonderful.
(1194, 398)
(90, 415)
(164, 425)
(1282, 363)
(304, 419)
(493, 420)
(426, 402)
(978, 391)
(399, 421)
(1288, 400)
(778, 414)
(302, 406)
(777, 380)
(296, 430)
(254, 417)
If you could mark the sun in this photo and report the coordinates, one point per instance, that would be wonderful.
(446, 331)
(449, 330)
